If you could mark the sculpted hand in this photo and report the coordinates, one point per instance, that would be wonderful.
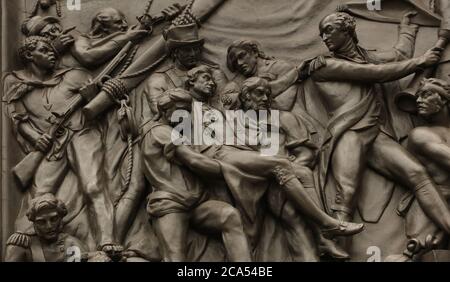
(134, 34)
(64, 40)
(431, 57)
(172, 11)
(90, 90)
(407, 18)
(44, 143)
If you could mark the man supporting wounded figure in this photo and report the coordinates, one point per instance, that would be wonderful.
(234, 165)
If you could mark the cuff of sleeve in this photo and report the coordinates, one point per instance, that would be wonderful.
(409, 30)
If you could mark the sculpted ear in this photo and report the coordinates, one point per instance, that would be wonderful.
(189, 84)
(28, 56)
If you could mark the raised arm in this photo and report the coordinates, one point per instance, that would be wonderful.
(93, 56)
(405, 47)
(341, 70)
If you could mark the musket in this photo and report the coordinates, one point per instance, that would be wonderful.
(24, 171)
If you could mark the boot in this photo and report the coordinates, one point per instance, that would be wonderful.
(330, 248)
(298, 195)
(433, 204)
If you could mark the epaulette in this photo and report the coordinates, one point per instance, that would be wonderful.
(19, 239)
(310, 66)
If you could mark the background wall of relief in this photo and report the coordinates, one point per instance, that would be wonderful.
(286, 29)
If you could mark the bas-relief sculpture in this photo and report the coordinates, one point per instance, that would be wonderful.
(108, 172)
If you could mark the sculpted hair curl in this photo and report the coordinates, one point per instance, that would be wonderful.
(346, 23)
(30, 44)
(247, 45)
(46, 202)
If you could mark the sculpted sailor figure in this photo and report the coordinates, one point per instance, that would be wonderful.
(243, 166)
(49, 243)
(185, 49)
(429, 144)
(85, 50)
(109, 33)
(295, 143)
(345, 80)
(37, 99)
(246, 59)
(49, 27)
(179, 199)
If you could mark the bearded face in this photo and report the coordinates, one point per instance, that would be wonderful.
(258, 99)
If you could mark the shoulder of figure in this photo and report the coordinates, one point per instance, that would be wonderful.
(309, 66)
(280, 65)
(14, 87)
(9, 78)
(165, 68)
(19, 239)
(157, 80)
(14, 76)
(76, 73)
(209, 64)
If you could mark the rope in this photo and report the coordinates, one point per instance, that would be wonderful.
(58, 8)
(130, 142)
(129, 170)
(129, 59)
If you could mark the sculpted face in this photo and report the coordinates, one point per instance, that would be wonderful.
(43, 56)
(258, 98)
(246, 61)
(116, 22)
(204, 85)
(188, 56)
(331, 34)
(429, 102)
(47, 224)
(51, 31)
